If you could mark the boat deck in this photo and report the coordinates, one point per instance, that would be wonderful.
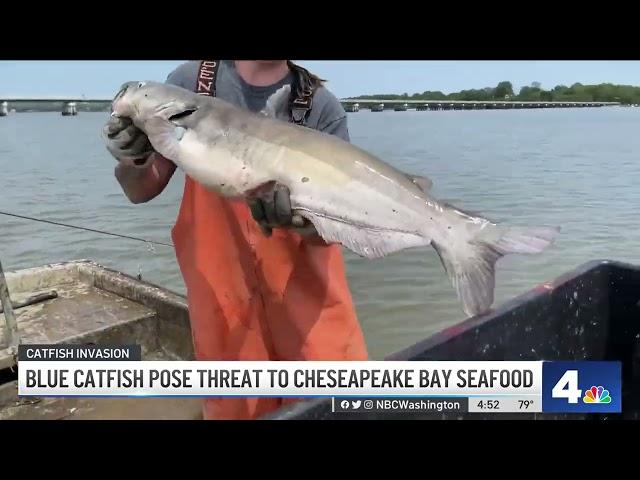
(95, 305)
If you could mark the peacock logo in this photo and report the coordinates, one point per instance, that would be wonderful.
(597, 395)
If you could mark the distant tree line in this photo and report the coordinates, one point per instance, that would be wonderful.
(604, 92)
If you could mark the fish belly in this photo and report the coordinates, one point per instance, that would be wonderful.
(346, 210)
(220, 167)
(366, 221)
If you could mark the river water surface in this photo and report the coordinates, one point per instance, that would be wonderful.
(576, 168)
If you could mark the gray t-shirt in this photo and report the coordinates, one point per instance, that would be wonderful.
(327, 113)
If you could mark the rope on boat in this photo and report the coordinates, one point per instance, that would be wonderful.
(103, 232)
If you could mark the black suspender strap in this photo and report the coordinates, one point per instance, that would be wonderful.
(301, 99)
(300, 102)
(207, 74)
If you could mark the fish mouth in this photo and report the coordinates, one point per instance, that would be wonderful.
(115, 104)
(120, 93)
(118, 98)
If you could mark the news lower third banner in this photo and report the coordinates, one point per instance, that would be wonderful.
(353, 386)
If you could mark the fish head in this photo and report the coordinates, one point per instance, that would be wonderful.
(142, 101)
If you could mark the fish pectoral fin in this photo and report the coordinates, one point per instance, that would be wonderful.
(425, 183)
(365, 242)
(277, 102)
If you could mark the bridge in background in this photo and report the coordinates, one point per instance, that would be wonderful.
(378, 105)
(71, 106)
(66, 105)
(55, 99)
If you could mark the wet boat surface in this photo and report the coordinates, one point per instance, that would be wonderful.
(94, 304)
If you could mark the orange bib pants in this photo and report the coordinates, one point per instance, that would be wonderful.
(253, 297)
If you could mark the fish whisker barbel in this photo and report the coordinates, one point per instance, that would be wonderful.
(103, 232)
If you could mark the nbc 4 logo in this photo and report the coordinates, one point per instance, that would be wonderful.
(597, 395)
(567, 387)
(582, 387)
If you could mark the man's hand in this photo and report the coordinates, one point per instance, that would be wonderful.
(126, 142)
(272, 209)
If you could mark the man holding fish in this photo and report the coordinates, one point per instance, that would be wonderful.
(278, 294)
(261, 283)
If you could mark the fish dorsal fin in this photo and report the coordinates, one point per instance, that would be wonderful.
(277, 102)
(424, 183)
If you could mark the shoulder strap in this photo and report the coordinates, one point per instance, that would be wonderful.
(207, 74)
(300, 102)
(301, 99)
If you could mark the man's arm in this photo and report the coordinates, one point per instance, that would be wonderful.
(141, 185)
(142, 173)
(333, 117)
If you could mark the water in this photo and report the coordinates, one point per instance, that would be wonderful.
(575, 168)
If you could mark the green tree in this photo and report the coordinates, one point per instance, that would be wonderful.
(502, 90)
(529, 94)
(546, 96)
(605, 92)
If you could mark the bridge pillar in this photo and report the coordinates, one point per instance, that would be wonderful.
(4, 109)
(69, 108)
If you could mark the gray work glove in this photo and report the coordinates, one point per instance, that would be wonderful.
(272, 209)
(126, 142)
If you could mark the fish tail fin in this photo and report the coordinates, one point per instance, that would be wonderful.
(471, 265)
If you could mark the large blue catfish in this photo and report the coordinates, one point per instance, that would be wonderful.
(348, 194)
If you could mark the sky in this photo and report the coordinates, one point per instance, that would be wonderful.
(101, 79)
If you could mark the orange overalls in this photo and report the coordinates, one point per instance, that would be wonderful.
(253, 297)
